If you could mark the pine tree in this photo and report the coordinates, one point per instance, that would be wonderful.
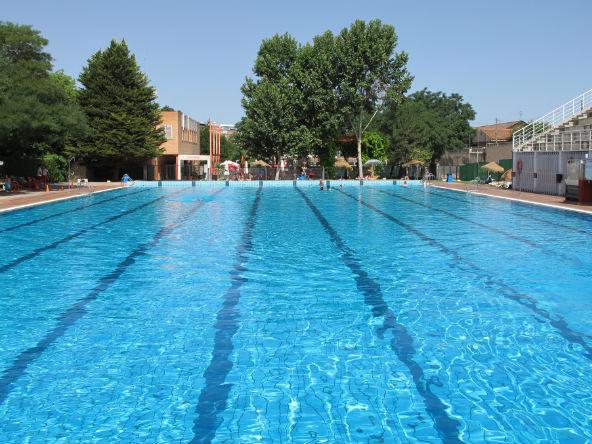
(121, 109)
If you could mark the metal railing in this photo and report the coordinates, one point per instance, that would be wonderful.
(551, 120)
(564, 141)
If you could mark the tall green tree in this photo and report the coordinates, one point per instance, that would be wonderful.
(306, 96)
(38, 113)
(229, 149)
(204, 139)
(374, 146)
(272, 126)
(371, 73)
(316, 75)
(121, 108)
(428, 121)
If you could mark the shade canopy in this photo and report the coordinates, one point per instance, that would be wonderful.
(493, 167)
(342, 163)
(412, 163)
(372, 162)
(507, 176)
(260, 163)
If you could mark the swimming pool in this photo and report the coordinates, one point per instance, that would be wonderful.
(367, 314)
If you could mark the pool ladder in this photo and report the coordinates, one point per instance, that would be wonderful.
(471, 187)
(426, 180)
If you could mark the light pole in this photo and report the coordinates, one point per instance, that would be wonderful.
(69, 174)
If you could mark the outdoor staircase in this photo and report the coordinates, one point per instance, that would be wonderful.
(547, 133)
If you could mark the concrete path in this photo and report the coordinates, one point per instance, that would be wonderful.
(539, 199)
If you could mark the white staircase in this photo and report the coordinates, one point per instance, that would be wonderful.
(548, 132)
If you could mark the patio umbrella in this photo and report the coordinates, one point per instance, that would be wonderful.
(507, 176)
(412, 163)
(260, 163)
(342, 163)
(493, 167)
(372, 162)
(229, 166)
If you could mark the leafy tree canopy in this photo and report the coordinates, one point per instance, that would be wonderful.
(38, 110)
(371, 73)
(121, 109)
(427, 121)
(229, 149)
(306, 96)
(374, 146)
(272, 126)
(204, 139)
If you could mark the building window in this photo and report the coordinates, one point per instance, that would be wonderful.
(168, 131)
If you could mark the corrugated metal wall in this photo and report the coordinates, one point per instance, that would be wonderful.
(540, 169)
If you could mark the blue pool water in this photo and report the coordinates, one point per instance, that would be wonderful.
(289, 315)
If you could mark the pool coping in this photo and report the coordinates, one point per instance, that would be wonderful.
(57, 199)
(517, 199)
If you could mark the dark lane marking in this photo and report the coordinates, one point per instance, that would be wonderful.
(401, 342)
(214, 396)
(508, 292)
(464, 219)
(78, 233)
(524, 216)
(489, 228)
(73, 210)
(78, 309)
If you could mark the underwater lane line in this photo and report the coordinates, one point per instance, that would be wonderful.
(73, 210)
(486, 227)
(507, 292)
(77, 310)
(214, 395)
(79, 233)
(464, 219)
(401, 343)
(524, 216)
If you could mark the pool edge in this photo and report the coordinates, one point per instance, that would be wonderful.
(515, 199)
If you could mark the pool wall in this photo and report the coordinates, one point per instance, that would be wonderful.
(269, 183)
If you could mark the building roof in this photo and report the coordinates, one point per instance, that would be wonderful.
(501, 131)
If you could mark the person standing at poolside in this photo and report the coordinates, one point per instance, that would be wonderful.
(45, 174)
(125, 180)
(7, 184)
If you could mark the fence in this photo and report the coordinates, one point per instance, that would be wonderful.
(471, 171)
(543, 171)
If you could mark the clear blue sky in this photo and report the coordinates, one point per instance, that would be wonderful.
(505, 57)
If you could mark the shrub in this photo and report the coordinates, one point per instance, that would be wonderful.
(57, 167)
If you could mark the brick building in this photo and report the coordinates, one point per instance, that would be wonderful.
(181, 158)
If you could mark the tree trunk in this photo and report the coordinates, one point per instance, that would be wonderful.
(360, 166)
(115, 174)
(433, 166)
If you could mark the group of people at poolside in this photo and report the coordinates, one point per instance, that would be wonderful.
(37, 182)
